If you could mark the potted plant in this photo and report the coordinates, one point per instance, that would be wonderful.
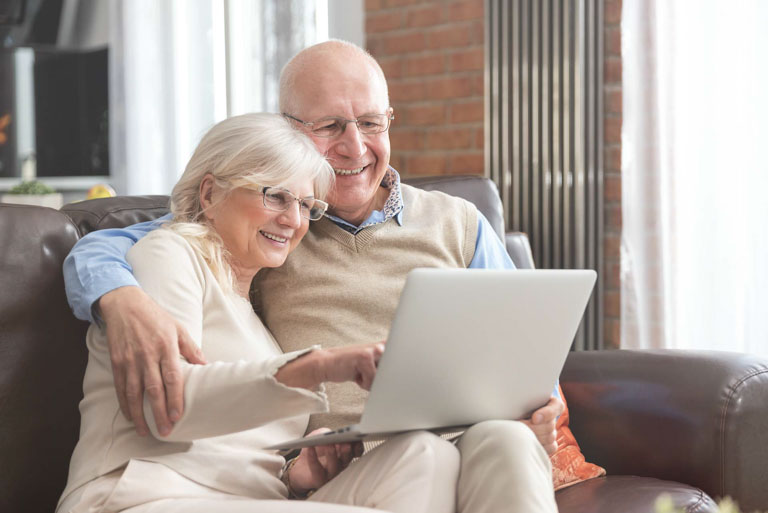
(33, 193)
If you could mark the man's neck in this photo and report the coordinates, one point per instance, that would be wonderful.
(357, 217)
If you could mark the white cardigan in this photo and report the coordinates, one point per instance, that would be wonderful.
(232, 407)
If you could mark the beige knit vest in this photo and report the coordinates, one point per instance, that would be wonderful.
(339, 289)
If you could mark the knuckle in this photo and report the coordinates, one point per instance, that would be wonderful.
(171, 376)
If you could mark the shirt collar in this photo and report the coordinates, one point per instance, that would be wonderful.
(393, 207)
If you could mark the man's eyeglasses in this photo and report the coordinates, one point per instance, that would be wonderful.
(281, 200)
(333, 126)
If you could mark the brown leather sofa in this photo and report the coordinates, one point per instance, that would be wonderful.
(692, 424)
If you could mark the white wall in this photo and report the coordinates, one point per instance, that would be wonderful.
(346, 20)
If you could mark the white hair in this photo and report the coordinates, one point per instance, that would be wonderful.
(294, 69)
(261, 149)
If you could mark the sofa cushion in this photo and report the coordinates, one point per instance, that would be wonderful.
(630, 494)
(568, 463)
(42, 359)
(98, 214)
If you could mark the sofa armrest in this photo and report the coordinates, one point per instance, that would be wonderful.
(519, 249)
(698, 417)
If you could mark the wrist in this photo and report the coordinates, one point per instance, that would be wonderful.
(307, 371)
(294, 492)
(114, 297)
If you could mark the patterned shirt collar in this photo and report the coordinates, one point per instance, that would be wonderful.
(393, 207)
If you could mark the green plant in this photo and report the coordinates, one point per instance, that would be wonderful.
(32, 187)
(664, 504)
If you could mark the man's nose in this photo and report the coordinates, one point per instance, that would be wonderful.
(350, 143)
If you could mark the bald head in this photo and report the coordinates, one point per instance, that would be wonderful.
(334, 58)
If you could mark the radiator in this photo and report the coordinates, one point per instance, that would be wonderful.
(544, 133)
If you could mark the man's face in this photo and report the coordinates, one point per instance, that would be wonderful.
(348, 89)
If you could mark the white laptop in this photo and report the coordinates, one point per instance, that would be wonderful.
(468, 345)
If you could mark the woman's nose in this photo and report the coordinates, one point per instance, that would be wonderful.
(292, 216)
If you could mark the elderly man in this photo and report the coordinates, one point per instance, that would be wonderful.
(339, 287)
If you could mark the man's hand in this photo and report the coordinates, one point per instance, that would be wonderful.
(316, 466)
(352, 363)
(144, 346)
(543, 422)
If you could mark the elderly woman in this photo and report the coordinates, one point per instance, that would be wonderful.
(243, 203)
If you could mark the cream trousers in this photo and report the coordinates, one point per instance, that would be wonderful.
(495, 467)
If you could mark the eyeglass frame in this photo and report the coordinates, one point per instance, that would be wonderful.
(389, 116)
(262, 189)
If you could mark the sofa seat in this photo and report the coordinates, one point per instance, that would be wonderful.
(630, 494)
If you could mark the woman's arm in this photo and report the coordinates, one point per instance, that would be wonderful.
(100, 286)
(226, 397)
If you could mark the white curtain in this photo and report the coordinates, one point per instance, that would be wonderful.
(695, 175)
(179, 66)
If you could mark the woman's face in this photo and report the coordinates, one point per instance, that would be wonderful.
(254, 235)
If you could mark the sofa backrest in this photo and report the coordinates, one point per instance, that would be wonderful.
(42, 358)
(482, 192)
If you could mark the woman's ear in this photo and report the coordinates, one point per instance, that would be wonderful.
(206, 196)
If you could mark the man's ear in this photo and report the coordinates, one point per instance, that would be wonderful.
(206, 196)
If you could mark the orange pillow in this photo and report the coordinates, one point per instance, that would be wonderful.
(568, 464)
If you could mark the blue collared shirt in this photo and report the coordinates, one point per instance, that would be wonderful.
(97, 264)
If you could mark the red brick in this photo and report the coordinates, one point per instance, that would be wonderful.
(612, 70)
(404, 139)
(426, 16)
(467, 112)
(612, 130)
(397, 160)
(466, 10)
(468, 60)
(449, 87)
(612, 304)
(375, 45)
(612, 275)
(612, 188)
(480, 139)
(403, 43)
(424, 114)
(467, 164)
(612, 12)
(383, 21)
(613, 218)
(425, 65)
(392, 67)
(406, 91)
(450, 139)
(399, 3)
(613, 158)
(612, 333)
(373, 5)
(478, 84)
(478, 32)
(611, 244)
(421, 164)
(613, 41)
(613, 101)
(450, 37)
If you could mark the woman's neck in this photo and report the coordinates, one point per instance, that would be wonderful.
(243, 279)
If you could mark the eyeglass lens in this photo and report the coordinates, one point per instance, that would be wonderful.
(367, 124)
(276, 199)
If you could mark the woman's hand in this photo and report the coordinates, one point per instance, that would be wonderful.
(315, 466)
(353, 363)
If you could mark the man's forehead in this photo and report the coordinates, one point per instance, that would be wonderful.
(339, 88)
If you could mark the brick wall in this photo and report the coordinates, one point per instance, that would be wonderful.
(432, 55)
(612, 170)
